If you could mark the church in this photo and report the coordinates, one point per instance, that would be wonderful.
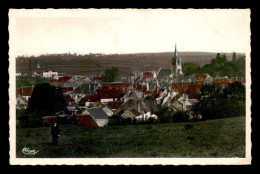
(176, 67)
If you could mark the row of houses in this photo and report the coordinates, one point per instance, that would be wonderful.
(140, 96)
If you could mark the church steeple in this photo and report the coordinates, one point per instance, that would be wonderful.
(176, 64)
(175, 53)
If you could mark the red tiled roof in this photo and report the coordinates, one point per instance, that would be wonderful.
(66, 89)
(112, 90)
(190, 88)
(238, 79)
(97, 78)
(53, 71)
(110, 93)
(87, 121)
(114, 105)
(91, 98)
(200, 78)
(221, 81)
(53, 80)
(25, 91)
(148, 75)
(69, 99)
(64, 79)
(139, 87)
(115, 85)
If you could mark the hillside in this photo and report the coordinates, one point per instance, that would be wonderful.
(212, 138)
(92, 64)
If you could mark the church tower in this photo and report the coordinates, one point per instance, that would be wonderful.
(176, 64)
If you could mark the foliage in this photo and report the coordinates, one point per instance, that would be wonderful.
(110, 75)
(22, 81)
(166, 116)
(180, 117)
(46, 100)
(217, 103)
(190, 68)
(218, 67)
(25, 120)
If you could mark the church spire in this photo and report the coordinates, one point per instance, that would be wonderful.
(175, 53)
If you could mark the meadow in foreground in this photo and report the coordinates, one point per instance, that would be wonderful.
(212, 138)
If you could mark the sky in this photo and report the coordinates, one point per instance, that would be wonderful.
(129, 31)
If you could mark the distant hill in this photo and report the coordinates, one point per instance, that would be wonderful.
(92, 64)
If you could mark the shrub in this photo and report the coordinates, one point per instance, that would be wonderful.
(180, 117)
(166, 116)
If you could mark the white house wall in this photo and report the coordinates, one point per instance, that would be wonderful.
(101, 122)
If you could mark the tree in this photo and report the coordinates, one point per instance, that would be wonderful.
(235, 92)
(234, 57)
(110, 75)
(215, 103)
(190, 68)
(166, 116)
(46, 100)
(209, 105)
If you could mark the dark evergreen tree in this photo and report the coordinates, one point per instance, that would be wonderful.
(46, 100)
(110, 75)
(234, 57)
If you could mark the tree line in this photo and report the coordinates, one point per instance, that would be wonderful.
(218, 66)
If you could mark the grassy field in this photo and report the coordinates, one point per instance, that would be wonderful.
(213, 138)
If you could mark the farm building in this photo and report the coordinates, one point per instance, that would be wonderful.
(93, 117)
(50, 74)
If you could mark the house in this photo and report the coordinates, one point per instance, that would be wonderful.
(222, 81)
(35, 74)
(111, 92)
(182, 78)
(21, 102)
(89, 100)
(133, 103)
(25, 92)
(164, 73)
(64, 78)
(238, 79)
(67, 89)
(86, 88)
(114, 105)
(200, 77)
(183, 103)
(131, 113)
(191, 89)
(146, 116)
(50, 74)
(69, 99)
(148, 75)
(108, 111)
(93, 117)
(18, 74)
(208, 80)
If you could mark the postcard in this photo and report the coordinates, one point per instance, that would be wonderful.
(129, 86)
